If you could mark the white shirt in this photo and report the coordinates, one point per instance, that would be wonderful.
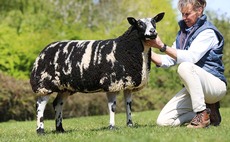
(204, 41)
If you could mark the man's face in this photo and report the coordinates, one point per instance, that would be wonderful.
(189, 15)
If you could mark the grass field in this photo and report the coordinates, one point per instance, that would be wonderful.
(94, 129)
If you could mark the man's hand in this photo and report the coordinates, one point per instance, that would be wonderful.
(157, 43)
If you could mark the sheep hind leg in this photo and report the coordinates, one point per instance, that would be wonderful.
(111, 96)
(128, 104)
(40, 107)
(58, 105)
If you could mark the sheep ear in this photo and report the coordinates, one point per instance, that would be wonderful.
(132, 21)
(159, 17)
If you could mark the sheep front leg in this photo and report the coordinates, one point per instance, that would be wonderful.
(112, 108)
(58, 105)
(40, 107)
(128, 104)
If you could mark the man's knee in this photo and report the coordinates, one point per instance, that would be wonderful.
(166, 122)
(183, 67)
(163, 122)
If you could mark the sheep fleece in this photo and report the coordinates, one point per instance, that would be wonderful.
(91, 66)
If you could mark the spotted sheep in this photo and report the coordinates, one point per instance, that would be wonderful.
(112, 65)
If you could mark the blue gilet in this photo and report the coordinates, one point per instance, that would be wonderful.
(212, 60)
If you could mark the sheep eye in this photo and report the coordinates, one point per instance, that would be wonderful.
(153, 22)
(140, 25)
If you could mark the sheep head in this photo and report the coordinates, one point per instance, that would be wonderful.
(147, 26)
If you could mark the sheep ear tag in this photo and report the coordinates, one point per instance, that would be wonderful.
(159, 17)
(132, 21)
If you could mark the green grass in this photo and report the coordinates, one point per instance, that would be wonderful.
(87, 129)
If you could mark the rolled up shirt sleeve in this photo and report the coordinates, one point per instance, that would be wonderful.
(167, 61)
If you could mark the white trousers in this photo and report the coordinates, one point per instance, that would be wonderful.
(200, 87)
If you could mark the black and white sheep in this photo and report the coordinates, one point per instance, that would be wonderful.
(113, 65)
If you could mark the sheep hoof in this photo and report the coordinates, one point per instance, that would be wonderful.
(130, 123)
(111, 127)
(60, 129)
(40, 131)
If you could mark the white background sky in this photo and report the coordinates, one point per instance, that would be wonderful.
(220, 6)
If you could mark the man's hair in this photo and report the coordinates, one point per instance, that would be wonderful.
(196, 4)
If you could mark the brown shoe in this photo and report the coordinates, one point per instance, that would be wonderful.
(201, 120)
(215, 116)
